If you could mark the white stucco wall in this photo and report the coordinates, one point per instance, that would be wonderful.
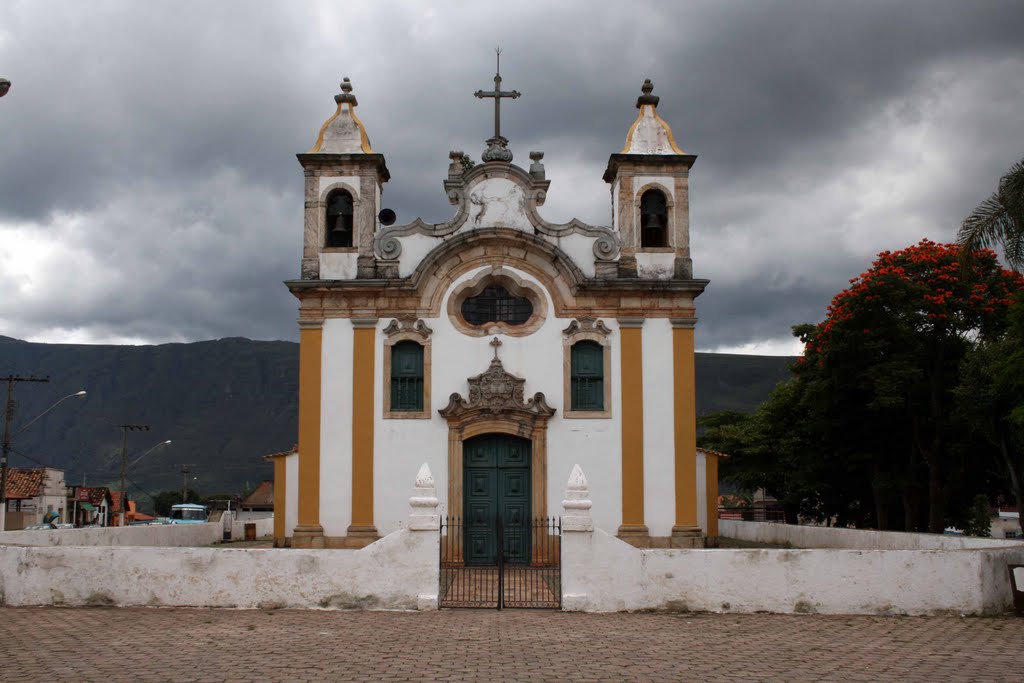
(166, 535)
(336, 429)
(337, 265)
(799, 536)
(397, 572)
(659, 430)
(656, 265)
(702, 493)
(264, 527)
(601, 573)
(291, 501)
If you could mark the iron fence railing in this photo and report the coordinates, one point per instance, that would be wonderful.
(507, 565)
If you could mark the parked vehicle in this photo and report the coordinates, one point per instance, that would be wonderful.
(189, 513)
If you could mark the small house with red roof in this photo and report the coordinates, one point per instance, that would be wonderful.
(31, 493)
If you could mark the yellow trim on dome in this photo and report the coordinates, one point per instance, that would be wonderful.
(664, 124)
(363, 137)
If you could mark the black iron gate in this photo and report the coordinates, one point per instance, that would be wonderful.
(524, 570)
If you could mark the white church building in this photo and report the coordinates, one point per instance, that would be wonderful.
(497, 347)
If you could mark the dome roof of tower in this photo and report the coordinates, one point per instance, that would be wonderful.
(343, 133)
(650, 134)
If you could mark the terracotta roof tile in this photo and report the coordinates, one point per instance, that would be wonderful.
(263, 496)
(24, 483)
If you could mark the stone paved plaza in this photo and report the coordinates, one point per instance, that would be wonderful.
(139, 644)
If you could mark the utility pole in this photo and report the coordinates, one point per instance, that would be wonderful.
(185, 471)
(8, 418)
(124, 464)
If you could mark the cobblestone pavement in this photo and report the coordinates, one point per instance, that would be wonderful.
(139, 644)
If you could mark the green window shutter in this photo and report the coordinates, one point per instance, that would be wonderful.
(407, 376)
(587, 376)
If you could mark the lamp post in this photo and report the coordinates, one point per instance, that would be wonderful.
(9, 411)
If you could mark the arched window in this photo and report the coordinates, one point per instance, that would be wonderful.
(587, 375)
(653, 219)
(406, 376)
(495, 304)
(339, 219)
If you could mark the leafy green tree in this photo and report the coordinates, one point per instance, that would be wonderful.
(885, 361)
(163, 501)
(990, 401)
(998, 220)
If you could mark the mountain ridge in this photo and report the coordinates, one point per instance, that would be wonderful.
(224, 403)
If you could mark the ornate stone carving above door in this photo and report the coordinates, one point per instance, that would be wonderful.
(497, 405)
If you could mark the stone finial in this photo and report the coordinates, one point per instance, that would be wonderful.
(537, 168)
(577, 504)
(346, 93)
(423, 502)
(424, 478)
(647, 98)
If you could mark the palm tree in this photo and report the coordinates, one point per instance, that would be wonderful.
(998, 220)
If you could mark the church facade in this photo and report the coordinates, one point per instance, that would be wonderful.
(498, 347)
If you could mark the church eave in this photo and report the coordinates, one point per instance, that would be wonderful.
(321, 162)
(670, 162)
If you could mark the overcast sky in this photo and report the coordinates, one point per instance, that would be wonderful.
(149, 190)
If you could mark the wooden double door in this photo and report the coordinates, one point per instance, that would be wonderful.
(496, 499)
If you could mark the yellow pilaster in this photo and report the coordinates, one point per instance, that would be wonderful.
(633, 529)
(308, 532)
(362, 531)
(684, 388)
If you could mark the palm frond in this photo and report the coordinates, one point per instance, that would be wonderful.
(999, 220)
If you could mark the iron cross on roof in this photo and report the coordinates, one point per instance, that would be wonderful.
(497, 150)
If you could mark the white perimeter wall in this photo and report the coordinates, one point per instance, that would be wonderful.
(401, 446)
(601, 573)
(168, 535)
(800, 536)
(397, 572)
(264, 527)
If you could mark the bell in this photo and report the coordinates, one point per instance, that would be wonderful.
(651, 221)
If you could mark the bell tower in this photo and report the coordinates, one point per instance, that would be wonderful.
(650, 197)
(344, 182)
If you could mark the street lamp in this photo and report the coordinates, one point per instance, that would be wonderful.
(8, 436)
(136, 460)
(33, 420)
(5, 85)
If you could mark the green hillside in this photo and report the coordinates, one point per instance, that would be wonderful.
(224, 404)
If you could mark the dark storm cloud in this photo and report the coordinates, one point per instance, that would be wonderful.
(149, 191)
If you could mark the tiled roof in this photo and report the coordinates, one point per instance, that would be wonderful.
(714, 454)
(263, 496)
(97, 494)
(282, 454)
(24, 483)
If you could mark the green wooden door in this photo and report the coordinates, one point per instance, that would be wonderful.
(496, 480)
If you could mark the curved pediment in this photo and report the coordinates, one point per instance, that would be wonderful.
(496, 391)
(496, 194)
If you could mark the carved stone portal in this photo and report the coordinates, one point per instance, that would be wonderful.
(497, 405)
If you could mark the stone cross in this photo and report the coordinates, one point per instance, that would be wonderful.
(497, 94)
(497, 149)
(495, 343)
